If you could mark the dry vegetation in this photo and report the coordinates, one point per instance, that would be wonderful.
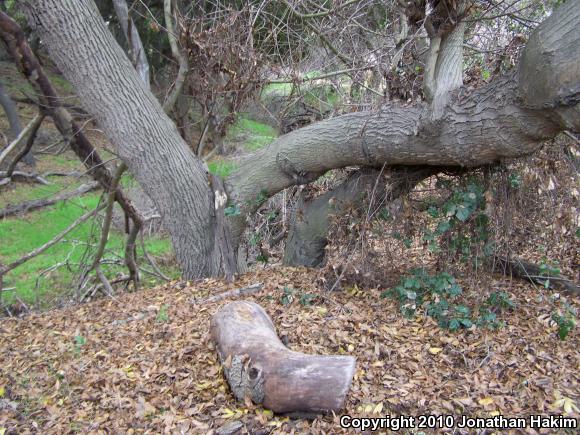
(144, 362)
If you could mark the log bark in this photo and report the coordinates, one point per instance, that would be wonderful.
(258, 365)
(519, 268)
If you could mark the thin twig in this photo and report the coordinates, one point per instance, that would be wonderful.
(239, 292)
(16, 142)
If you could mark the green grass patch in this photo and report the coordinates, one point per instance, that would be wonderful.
(322, 97)
(17, 193)
(128, 181)
(64, 162)
(221, 168)
(62, 85)
(280, 89)
(33, 282)
(253, 134)
(255, 127)
(285, 89)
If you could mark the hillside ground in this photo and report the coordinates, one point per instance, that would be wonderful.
(144, 362)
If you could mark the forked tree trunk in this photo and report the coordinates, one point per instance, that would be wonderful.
(510, 117)
(259, 366)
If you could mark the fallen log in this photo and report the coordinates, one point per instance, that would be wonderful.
(519, 268)
(35, 204)
(258, 365)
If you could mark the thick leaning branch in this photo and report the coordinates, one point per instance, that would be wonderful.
(504, 119)
(479, 129)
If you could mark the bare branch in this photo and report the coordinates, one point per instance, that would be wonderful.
(54, 241)
(26, 149)
(36, 204)
(178, 55)
(32, 125)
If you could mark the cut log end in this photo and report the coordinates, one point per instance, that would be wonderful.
(258, 365)
(244, 378)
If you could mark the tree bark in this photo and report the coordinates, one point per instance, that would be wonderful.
(13, 120)
(549, 71)
(145, 138)
(307, 237)
(444, 67)
(259, 366)
(502, 120)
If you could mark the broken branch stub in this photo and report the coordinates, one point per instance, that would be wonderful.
(258, 365)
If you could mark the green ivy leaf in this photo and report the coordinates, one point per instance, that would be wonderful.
(232, 210)
(462, 213)
(454, 325)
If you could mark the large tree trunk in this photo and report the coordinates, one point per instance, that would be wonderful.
(508, 118)
(257, 365)
(145, 138)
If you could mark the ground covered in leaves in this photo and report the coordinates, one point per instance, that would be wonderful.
(144, 362)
